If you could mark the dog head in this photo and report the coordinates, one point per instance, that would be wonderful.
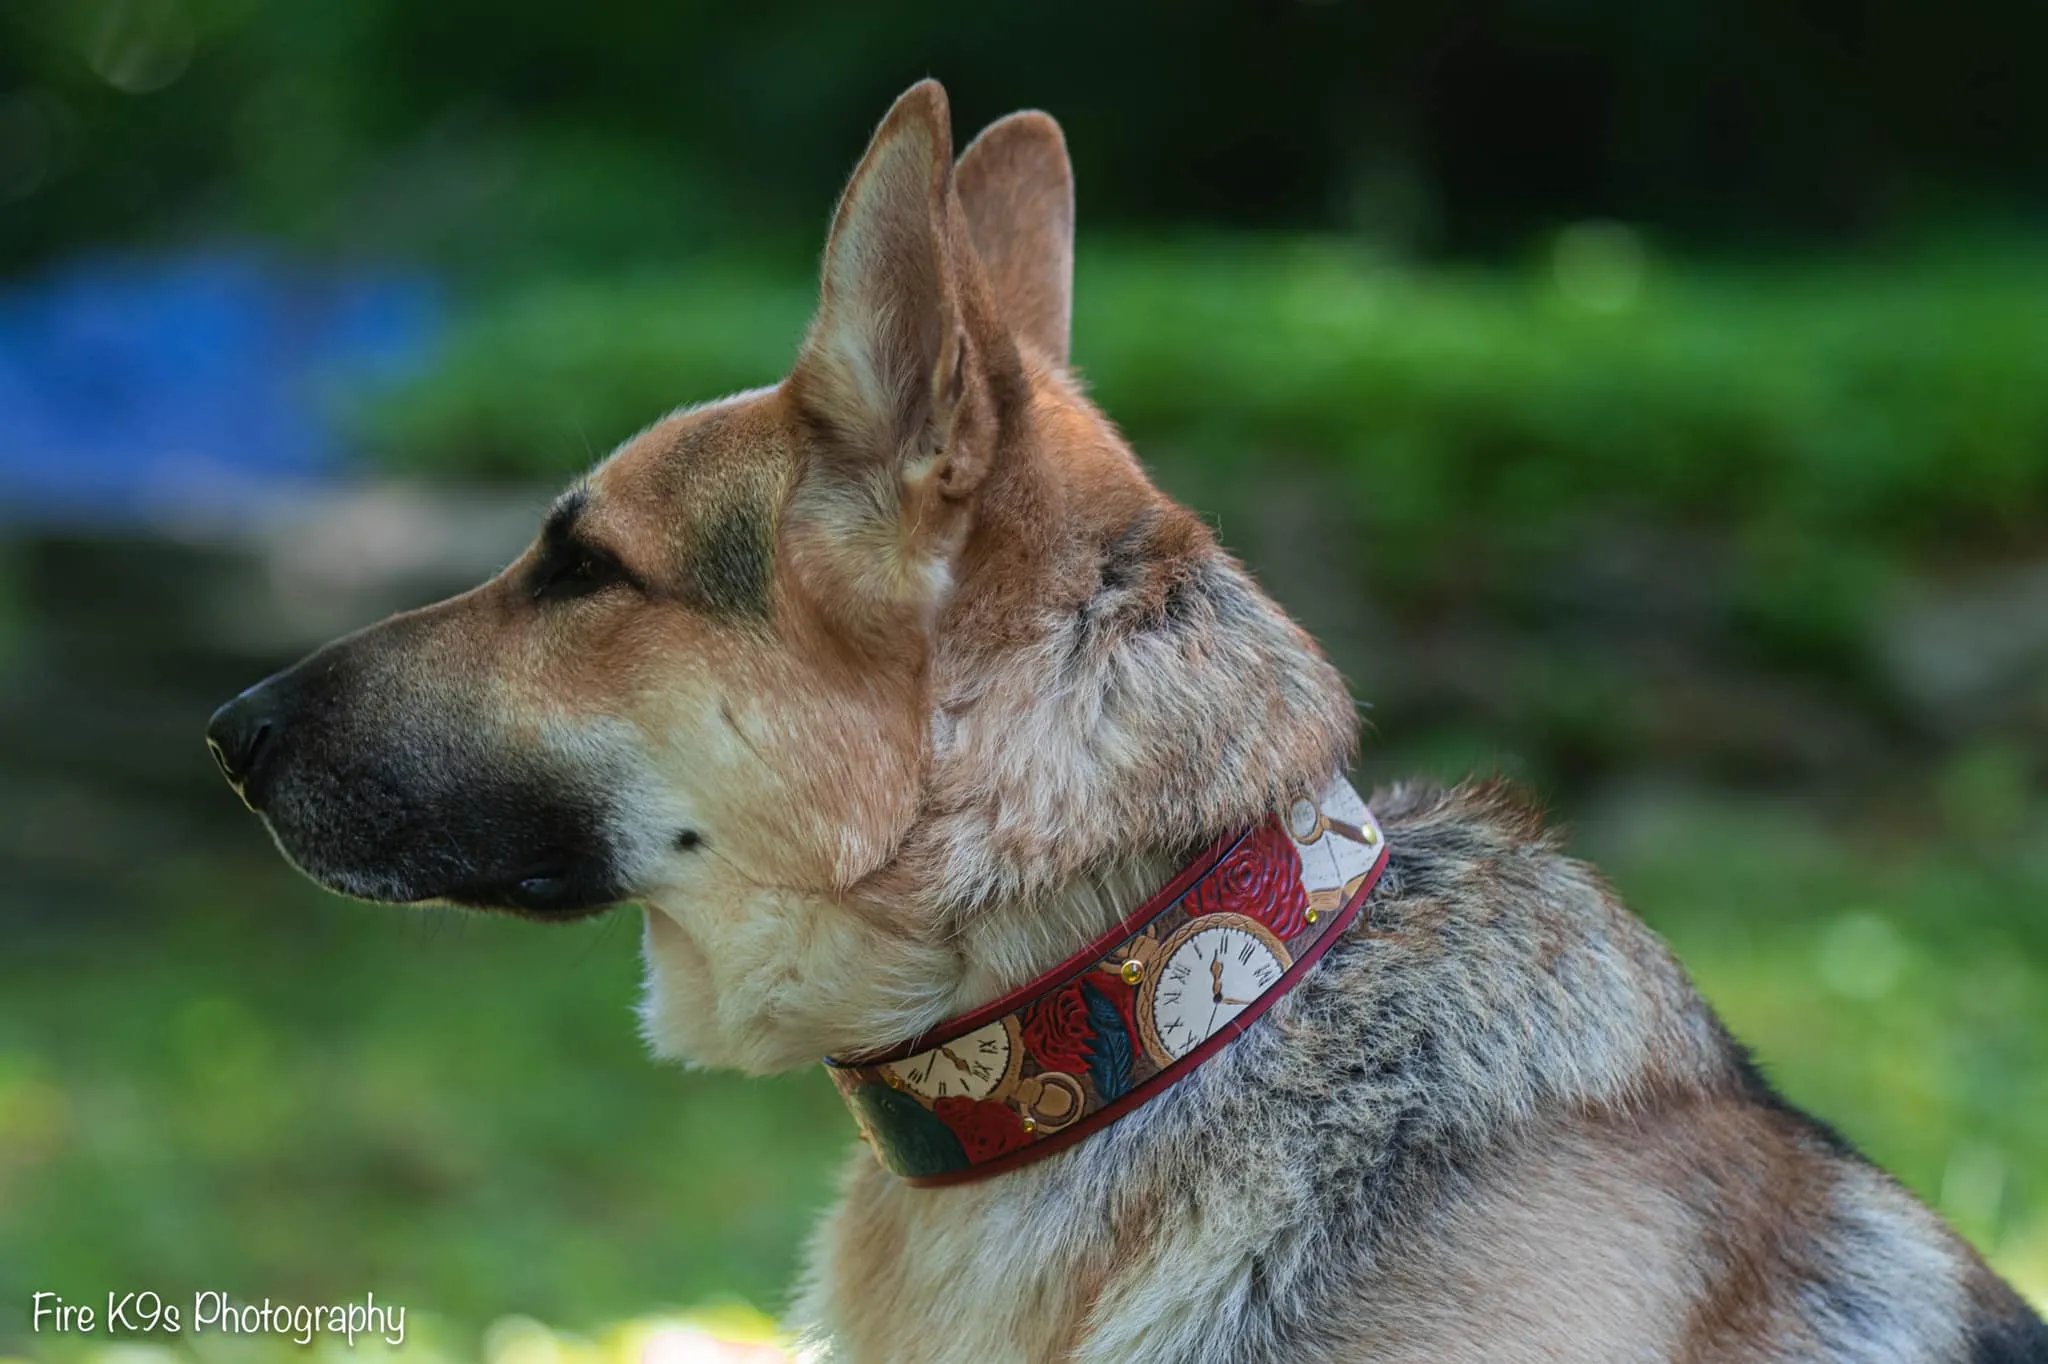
(814, 669)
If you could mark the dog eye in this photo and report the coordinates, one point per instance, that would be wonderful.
(577, 573)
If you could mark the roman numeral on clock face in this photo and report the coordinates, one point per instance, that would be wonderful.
(1244, 954)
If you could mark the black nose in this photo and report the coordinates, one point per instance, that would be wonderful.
(243, 737)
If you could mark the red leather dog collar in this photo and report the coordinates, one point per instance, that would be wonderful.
(1130, 1013)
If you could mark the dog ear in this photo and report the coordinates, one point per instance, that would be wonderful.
(907, 378)
(897, 363)
(1017, 187)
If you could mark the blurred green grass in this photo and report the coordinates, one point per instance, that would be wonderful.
(454, 1112)
(267, 1089)
(1865, 400)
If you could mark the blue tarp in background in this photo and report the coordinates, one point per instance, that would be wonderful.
(131, 386)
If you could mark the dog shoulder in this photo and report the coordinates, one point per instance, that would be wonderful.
(1482, 917)
(1600, 1104)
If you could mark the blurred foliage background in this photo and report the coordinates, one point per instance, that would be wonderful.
(1647, 399)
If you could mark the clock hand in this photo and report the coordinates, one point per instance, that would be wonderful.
(954, 1057)
(1226, 999)
(1216, 975)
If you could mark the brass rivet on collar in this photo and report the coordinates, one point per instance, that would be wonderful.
(1030, 1123)
(1313, 916)
(1133, 971)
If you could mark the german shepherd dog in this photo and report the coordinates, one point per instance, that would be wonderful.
(885, 687)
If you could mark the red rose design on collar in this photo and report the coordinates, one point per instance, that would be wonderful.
(986, 1129)
(1057, 1030)
(1260, 879)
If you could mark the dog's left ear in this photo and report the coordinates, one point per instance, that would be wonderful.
(1017, 187)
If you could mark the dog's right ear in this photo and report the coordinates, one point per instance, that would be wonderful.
(1017, 187)
(908, 374)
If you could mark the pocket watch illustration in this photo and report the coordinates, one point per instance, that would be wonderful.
(1208, 972)
(982, 1064)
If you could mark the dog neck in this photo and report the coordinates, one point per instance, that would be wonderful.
(1130, 1013)
(1161, 703)
(1170, 719)
(1164, 702)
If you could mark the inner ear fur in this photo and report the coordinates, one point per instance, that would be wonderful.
(907, 358)
(1016, 186)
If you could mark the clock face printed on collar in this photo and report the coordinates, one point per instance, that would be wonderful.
(982, 1064)
(1208, 973)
